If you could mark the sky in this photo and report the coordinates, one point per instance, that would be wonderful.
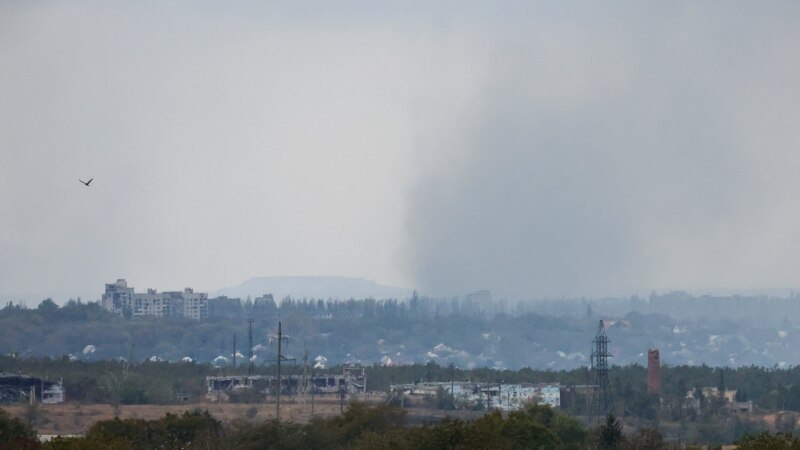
(530, 148)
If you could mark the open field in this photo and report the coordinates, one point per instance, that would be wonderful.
(75, 418)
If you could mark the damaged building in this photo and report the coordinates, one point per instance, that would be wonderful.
(15, 388)
(352, 381)
(468, 395)
(120, 299)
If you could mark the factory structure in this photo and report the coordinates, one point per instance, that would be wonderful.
(352, 382)
(120, 299)
(469, 395)
(16, 388)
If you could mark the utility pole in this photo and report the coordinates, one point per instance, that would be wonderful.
(280, 338)
(249, 345)
(305, 370)
(452, 391)
(341, 399)
(280, 356)
(234, 352)
(308, 383)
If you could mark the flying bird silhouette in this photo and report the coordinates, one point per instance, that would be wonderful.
(86, 182)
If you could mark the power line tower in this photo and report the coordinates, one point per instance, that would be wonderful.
(249, 345)
(234, 352)
(599, 362)
(280, 338)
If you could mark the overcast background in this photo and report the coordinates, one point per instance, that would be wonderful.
(531, 149)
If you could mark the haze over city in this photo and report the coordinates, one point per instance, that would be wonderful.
(535, 150)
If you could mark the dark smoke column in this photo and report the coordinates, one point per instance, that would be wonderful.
(653, 372)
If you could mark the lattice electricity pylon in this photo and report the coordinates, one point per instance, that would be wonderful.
(599, 361)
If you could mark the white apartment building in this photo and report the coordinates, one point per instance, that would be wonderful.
(120, 299)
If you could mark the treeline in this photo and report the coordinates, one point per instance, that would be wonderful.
(370, 331)
(363, 331)
(360, 427)
(416, 306)
(765, 310)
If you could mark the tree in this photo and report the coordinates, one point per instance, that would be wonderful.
(645, 439)
(47, 308)
(768, 441)
(14, 434)
(609, 435)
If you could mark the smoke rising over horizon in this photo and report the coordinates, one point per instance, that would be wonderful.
(531, 149)
(621, 151)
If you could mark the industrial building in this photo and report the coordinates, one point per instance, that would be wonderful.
(15, 388)
(120, 299)
(468, 395)
(352, 381)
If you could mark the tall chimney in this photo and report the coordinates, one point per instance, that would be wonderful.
(653, 372)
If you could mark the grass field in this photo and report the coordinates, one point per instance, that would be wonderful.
(75, 418)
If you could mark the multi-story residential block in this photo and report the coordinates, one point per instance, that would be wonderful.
(120, 299)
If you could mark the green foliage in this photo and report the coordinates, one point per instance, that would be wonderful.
(48, 308)
(769, 441)
(88, 443)
(14, 434)
(384, 427)
(645, 438)
(191, 430)
(609, 435)
(406, 330)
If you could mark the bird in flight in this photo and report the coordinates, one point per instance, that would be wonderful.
(86, 182)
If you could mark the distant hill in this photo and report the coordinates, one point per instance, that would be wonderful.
(313, 287)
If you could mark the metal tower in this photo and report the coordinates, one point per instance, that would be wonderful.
(249, 345)
(599, 362)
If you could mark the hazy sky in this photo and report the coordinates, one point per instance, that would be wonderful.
(532, 149)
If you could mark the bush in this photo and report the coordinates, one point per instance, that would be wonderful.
(15, 434)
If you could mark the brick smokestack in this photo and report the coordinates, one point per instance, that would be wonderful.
(653, 372)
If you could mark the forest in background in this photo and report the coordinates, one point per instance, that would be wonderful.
(545, 335)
